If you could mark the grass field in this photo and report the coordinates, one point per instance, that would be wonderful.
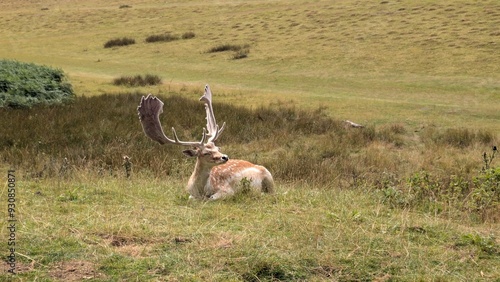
(408, 197)
(388, 61)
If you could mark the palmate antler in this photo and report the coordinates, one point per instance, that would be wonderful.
(150, 109)
(212, 127)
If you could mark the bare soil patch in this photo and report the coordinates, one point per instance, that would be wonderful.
(20, 267)
(130, 246)
(75, 270)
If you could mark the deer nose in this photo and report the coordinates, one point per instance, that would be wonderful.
(225, 158)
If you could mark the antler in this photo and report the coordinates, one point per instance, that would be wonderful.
(212, 126)
(149, 110)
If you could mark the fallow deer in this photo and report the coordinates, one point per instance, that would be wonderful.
(215, 176)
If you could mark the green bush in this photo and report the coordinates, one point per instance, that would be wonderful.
(239, 51)
(479, 195)
(487, 245)
(227, 47)
(119, 42)
(486, 193)
(167, 37)
(26, 84)
(241, 54)
(188, 35)
(138, 80)
(457, 137)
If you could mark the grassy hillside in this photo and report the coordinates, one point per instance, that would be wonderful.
(413, 195)
(384, 61)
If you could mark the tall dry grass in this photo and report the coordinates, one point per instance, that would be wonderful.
(93, 134)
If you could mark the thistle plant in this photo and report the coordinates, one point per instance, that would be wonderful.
(489, 158)
(127, 164)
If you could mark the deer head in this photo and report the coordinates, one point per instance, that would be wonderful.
(205, 150)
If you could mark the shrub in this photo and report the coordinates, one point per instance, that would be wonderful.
(485, 197)
(188, 35)
(151, 79)
(484, 137)
(167, 37)
(227, 47)
(119, 42)
(138, 80)
(487, 245)
(241, 54)
(393, 134)
(240, 51)
(431, 193)
(456, 137)
(25, 85)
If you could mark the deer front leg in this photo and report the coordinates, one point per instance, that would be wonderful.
(222, 193)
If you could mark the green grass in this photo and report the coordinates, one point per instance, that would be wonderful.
(415, 62)
(146, 229)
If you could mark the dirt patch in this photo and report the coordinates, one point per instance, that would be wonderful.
(136, 247)
(75, 270)
(119, 240)
(20, 267)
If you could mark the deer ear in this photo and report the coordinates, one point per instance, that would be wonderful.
(190, 153)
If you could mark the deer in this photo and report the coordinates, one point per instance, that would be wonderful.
(215, 176)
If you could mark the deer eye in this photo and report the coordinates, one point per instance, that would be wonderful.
(206, 154)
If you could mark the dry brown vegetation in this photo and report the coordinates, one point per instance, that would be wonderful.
(94, 133)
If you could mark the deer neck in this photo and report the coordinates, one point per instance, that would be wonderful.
(199, 180)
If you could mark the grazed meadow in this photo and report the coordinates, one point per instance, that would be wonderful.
(408, 197)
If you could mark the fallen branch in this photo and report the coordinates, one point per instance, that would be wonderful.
(353, 124)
